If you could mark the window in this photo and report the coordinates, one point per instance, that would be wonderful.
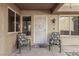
(75, 25)
(17, 22)
(64, 25)
(11, 19)
(27, 25)
(69, 25)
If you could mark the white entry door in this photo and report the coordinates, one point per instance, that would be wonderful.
(40, 29)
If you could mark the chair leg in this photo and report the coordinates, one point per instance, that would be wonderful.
(29, 45)
(49, 46)
(19, 48)
(60, 45)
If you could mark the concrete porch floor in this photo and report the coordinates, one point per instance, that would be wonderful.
(39, 52)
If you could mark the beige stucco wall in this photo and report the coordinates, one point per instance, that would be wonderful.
(51, 25)
(7, 40)
(1, 30)
(69, 7)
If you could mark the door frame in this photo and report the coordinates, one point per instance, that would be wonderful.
(46, 26)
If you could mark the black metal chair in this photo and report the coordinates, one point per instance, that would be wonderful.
(23, 41)
(55, 40)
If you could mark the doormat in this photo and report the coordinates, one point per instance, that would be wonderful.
(41, 46)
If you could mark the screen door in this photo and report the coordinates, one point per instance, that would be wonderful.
(40, 29)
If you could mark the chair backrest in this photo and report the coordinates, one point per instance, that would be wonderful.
(55, 35)
(21, 37)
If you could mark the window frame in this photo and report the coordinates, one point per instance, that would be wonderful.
(19, 21)
(69, 25)
(15, 12)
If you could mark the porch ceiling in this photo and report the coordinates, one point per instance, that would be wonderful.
(38, 6)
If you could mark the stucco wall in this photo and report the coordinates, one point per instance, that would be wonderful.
(7, 40)
(1, 30)
(69, 7)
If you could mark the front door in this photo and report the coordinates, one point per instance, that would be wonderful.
(40, 29)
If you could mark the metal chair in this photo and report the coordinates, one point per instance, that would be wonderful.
(55, 40)
(23, 41)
